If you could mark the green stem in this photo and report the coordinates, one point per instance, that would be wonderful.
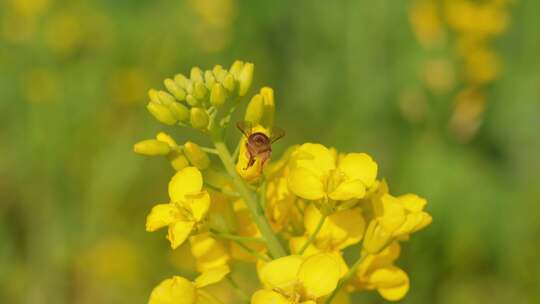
(272, 242)
(253, 252)
(209, 296)
(314, 234)
(234, 237)
(224, 191)
(347, 277)
(237, 289)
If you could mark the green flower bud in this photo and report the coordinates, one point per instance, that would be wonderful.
(176, 90)
(255, 110)
(200, 92)
(229, 83)
(196, 75)
(209, 79)
(245, 78)
(179, 111)
(236, 68)
(151, 147)
(198, 118)
(192, 101)
(161, 113)
(178, 160)
(196, 156)
(218, 95)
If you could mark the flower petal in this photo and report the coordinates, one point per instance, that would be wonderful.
(319, 275)
(212, 276)
(315, 158)
(281, 273)
(175, 290)
(198, 204)
(208, 252)
(349, 190)
(305, 184)
(412, 202)
(178, 233)
(186, 181)
(264, 296)
(359, 166)
(392, 283)
(161, 216)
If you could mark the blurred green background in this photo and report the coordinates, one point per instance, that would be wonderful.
(356, 75)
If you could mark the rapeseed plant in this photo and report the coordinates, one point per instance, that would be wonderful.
(242, 206)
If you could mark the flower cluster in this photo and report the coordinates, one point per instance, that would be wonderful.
(467, 28)
(292, 217)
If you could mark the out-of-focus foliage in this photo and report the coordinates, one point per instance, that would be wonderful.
(357, 74)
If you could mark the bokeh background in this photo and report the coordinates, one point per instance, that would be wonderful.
(445, 94)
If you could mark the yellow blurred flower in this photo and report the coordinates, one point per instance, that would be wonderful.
(188, 207)
(294, 279)
(316, 176)
(209, 252)
(426, 22)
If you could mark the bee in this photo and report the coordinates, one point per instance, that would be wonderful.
(258, 144)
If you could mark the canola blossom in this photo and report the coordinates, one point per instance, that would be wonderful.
(291, 217)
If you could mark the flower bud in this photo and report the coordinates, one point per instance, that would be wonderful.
(236, 68)
(179, 111)
(209, 79)
(198, 118)
(196, 156)
(218, 95)
(219, 72)
(176, 90)
(229, 83)
(165, 98)
(245, 78)
(151, 147)
(200, 92)
(255, 110)
(153, 95)
(269, 107)
(181, 81)
(166, 138)
(161, 113)
(178, 160)
(192, 101)
(196, 75)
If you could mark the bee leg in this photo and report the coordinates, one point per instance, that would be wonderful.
(250, 163)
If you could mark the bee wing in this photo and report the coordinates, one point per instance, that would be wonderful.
(277, 133)
(245, 127)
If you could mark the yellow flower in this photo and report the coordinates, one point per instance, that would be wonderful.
(340, 229)
(393, 218)
(178, 290)
(294, 279)
(208, 252)
(378, 272)
(316, 176)
(188, 206)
